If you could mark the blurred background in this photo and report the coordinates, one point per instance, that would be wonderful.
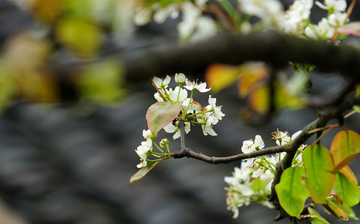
(71, 121)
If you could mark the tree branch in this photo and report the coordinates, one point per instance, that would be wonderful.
(272, 47)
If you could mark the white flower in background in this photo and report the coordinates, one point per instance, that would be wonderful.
(170, 128)
(322, 29)
(217, 110)
(161, 83)
(251, 146)
(190, 85)
(161, 14)
(295, 16)
(205, 29)
(142, 152)
(142, 16)
(178, 95)
(270, 12)
(193, 26)
(333, 5)
(147, 134)
(338, 19)
(180, 77)
(201, 3)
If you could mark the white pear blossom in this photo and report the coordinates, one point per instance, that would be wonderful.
(193, 26)
(338, 19)
(270, 12)
(170, 128)
(209, 121)
(295, 16)
(216, 110)
(142, 16)
(333, 5)
(322, 30)
(190, 85)
(142, 152)
(161, 14)
(178, 95)
(147, 134)
(161, 83)
(252, 146)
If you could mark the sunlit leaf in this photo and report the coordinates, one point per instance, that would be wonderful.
(219, 76)
(102, 83)
(318, 177)
(344, 148)
(347, 190)
(161, 114)
(291, 191)
(260, 99)
(283, 99)
(316, 218)
(80, 36)
(143, 171)
(251, 73)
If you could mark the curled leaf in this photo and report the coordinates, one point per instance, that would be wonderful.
(143, 171)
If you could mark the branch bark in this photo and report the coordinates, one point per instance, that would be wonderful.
(272, 47)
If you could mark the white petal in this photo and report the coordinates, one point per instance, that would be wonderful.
(170, 128)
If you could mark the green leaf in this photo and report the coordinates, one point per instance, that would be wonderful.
(101, 83)
(161, 114)
(347, 190)
(344, 148)
(257, 184)
(291, 191)
(316, 218)
(318, 177)
(143, 171)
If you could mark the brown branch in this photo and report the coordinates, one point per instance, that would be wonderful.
(272, 47)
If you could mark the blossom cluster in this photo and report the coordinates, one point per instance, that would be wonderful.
(296, 20)
(252, 181)
(191, 113)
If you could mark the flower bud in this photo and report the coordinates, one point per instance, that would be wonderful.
(164, 143)
(180, 77)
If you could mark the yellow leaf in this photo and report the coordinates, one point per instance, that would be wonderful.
(260, 99)
(219, 76)
(251, 73)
